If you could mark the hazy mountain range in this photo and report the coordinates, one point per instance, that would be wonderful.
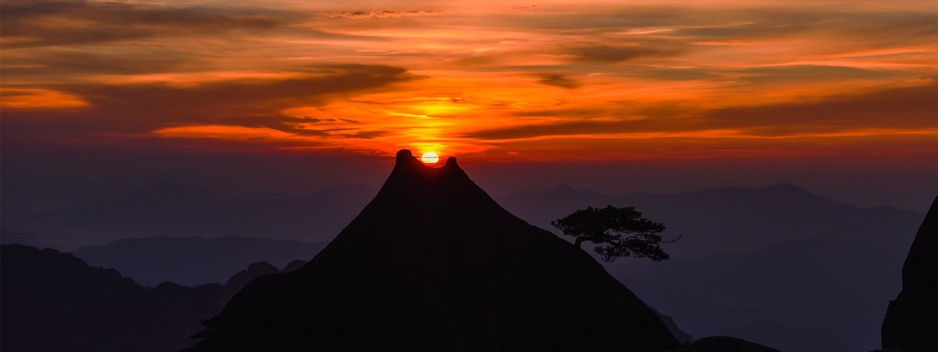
(733, 219)
(773, 261)
(193, 260)
(764, 264)
(170, 208)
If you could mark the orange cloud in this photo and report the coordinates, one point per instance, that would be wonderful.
(39, 98)
(239, 133)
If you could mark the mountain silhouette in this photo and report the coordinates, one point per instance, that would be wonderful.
(911, 322)
(53, 301)
(432, 263)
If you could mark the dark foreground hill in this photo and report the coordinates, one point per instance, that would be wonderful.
(434, 264)
(911, 322)
(53, 301)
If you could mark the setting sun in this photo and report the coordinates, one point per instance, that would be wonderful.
(430, 158)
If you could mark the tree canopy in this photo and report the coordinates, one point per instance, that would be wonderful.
(620, 232)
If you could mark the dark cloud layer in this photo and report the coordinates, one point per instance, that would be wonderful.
(913, 108)
(604, 53)
(903, 108)
(46, 23)
(140, 108)
(557, 80)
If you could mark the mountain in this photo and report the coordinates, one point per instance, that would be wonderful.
(193, 260)
(9, 236)
(732, 219)
(176, 209)
(841, 286)
(776, 254)
(53, 301)
(433, 263)
(911, 322)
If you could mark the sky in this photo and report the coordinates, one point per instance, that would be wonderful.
(844, 84)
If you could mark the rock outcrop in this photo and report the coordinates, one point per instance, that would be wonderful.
(911, 322)
(434, 264)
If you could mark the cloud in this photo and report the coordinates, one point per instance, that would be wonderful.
(75, 62)
(45, 23)
(37, 98)
(560, 128)
(249, 103)
(557, 80)
(898, 109)
(892, 111)
(613, 53)
(366, 15)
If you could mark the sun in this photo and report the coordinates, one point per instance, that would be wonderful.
(429, 158)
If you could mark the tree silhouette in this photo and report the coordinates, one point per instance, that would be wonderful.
(622, 232)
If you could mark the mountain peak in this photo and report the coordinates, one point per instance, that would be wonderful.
(414, 188)
(408, 163)
(434, 264)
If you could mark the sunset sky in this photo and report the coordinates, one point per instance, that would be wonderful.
(495, 81)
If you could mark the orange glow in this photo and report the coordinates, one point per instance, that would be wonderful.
(562, 79)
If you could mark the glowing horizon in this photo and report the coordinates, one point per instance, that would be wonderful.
(556, 80)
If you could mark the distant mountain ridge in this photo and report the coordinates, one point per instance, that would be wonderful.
(731, 219)
(171, 208)
(193, 260)
(778, 254)
(842, 286)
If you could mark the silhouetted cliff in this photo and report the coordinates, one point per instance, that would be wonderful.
(433, 263)
(911, 322)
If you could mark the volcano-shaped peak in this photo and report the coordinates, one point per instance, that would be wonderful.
(434, 264)
(408, 165)
(414, 188)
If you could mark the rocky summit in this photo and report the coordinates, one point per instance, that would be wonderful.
(432, 263)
